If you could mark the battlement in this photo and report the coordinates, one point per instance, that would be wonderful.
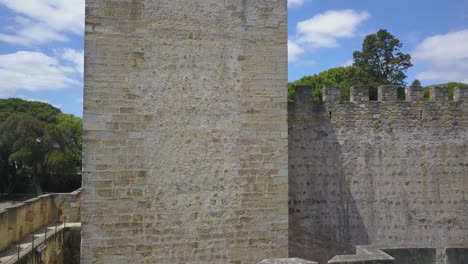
(386, 93)
(415, 109)
(376, 172)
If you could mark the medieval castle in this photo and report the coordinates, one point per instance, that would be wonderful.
(191, 154)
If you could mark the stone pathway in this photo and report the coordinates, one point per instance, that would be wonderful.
(10, 255)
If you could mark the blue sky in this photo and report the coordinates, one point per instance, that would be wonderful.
(41, 42)
(324, 34)
(41, 52)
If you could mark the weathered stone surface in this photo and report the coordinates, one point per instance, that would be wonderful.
(185, 143)
(359, 93)
(438, 93)
(21, 219)
(387, 173)
(460, 93)
(365, 255)
(414, 93)
(387, 93)
(61, 245)
(331, 94)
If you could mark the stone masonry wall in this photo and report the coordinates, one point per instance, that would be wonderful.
(381, 172)
(21, 219)
(185, 142)
(62, 247)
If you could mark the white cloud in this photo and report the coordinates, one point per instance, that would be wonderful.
(324, 30)
(76, 58)
(33, 71)
(294, 50)
(347, 63)
(42, 21)
(296, 3)
(445, 57)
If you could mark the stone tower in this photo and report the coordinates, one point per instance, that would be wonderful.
(185, 118)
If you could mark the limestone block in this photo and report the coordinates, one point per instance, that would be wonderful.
(387, 93)
(438, 93)
(359, 93)
(414, 93)
(331, 94)
(460, 94)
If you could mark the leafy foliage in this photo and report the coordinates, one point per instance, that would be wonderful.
(40, 111)
(343, 77)
(381, 61)
(416, 83)
(39, 146)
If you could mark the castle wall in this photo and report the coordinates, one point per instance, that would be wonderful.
(61, 247)
(21, 219)
(185, 142)
(377, 172)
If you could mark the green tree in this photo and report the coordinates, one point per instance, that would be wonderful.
(382, 61)
(73, 126)
(41, 111)
(39, 146)
(21, 141)
(416, 83)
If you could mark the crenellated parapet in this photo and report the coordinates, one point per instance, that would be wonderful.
(438, 93)
(388, 171)
(304, 94)
(386, 93)
(329, 93)
(414, 110)
(414, 93)
(359, 93)
(461, 94)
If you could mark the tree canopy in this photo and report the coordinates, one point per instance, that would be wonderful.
(382, 59)
(40, 111)
(40, 147)
(416, 83)
(379, 62)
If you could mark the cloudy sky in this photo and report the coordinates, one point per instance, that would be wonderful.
(41, 51)
(41, 42)
(324, 33)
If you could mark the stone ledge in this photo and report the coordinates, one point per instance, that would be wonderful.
(364, 255)
(286, 261)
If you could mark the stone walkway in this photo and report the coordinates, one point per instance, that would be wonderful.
(10, 255)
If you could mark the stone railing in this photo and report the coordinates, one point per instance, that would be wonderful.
(21, 219)
(286, 261)
(364, 255)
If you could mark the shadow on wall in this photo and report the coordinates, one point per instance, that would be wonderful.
(324, 219)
